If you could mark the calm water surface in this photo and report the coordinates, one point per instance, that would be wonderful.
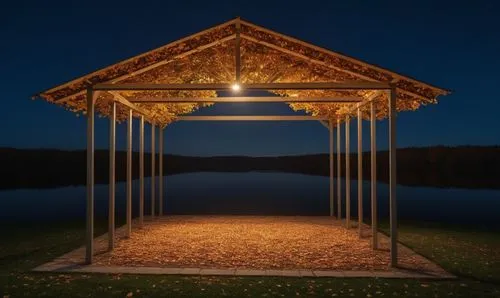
(253, 193)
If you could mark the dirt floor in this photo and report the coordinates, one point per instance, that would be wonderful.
(255, 242)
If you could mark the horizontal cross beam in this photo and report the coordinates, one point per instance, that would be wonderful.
(119, 98)
(246, 99)
(356, 85)
(249, 118)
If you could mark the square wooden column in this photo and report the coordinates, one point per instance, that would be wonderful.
(112, 149)
(392, 177)
(373, 161)
(129, 175)
(332, 202)
(347, 174)
(360, 172)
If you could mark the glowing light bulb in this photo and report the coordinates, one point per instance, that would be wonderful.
(236, 87)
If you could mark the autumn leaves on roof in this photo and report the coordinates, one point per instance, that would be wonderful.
(266, 57)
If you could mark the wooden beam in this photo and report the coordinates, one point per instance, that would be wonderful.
(355, 85)
(325, 124)
(370, 98)
(119, 98)
(249, 118)
(347, 99)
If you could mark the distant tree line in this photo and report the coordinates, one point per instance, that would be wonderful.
(462, 167)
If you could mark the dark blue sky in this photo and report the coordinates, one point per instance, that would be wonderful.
(451, 44)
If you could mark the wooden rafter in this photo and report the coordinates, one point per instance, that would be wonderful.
(153, 66)
(119, 98)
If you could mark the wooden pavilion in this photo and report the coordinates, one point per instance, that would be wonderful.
(164, 84)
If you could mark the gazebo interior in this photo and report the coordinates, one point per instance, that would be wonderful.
(163, 85)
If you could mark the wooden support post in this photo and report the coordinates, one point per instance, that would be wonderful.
(392, 177)
(373, 145)
(360, 172)
(141, 172)
(339, 175)
(160, 171)
(332, 202)
(153, 178)
(112, 149)
(89, 248)
(129, 175)
(347, 174)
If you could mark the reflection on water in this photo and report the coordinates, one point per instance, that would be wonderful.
(253, 193)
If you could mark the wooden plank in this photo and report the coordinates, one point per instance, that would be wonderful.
(355, 85)
(249, 118)
(347, 99)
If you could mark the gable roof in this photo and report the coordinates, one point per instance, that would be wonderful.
(266, 56)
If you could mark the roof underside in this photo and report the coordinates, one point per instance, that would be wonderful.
(266, 57)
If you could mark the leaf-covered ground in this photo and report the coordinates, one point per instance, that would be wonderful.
(472, 254)
(257, 242)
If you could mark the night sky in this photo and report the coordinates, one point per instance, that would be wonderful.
(450, 44)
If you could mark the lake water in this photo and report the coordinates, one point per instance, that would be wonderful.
(253, 193)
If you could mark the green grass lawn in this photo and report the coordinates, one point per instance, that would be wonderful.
(472, 255)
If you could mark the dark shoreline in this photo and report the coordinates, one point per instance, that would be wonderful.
(458, 167)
